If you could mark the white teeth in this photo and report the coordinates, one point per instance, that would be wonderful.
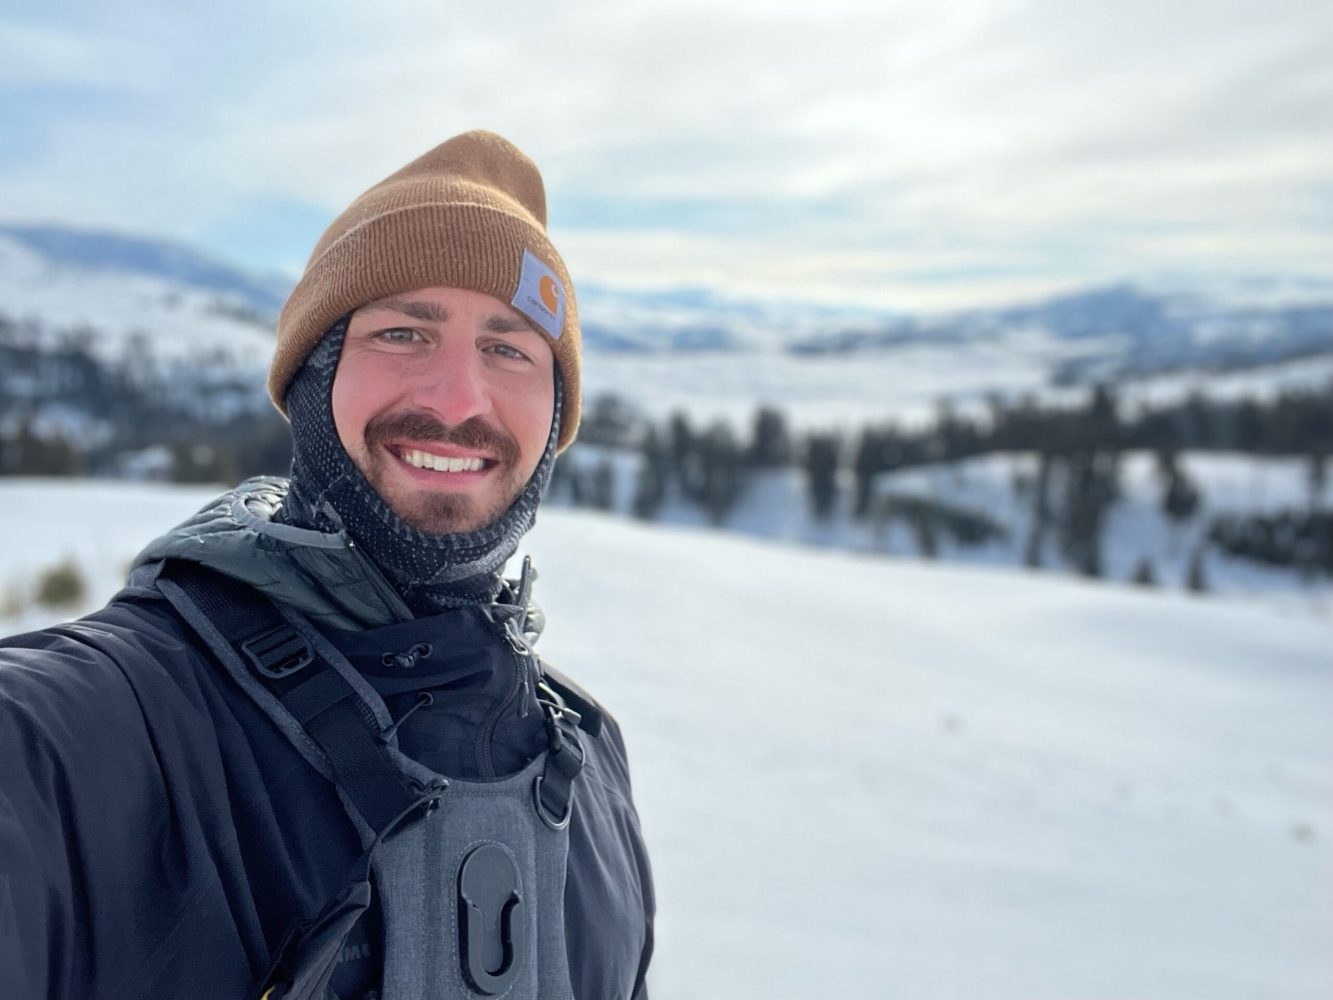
(425, 460)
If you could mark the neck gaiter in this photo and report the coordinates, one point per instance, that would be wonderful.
(329, 493)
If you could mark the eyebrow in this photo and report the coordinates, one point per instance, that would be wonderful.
(432, 312)
(508, 324)
(428, 311)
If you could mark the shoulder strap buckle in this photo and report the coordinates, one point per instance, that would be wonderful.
(278, 652)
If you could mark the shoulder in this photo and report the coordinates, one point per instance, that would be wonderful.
(112, 801)
(80, 684)
(602, 736)
(609, 894)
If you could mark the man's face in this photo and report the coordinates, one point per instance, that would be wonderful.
(444, 398)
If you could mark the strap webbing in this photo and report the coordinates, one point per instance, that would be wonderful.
(349, 736)
(346, 731)
(330, 710)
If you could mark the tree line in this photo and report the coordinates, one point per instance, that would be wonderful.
(1078, 447)
(65, 411)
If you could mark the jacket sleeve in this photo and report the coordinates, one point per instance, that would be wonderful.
(37, 919)
(644, 867)
(80, 797)
(29, 907)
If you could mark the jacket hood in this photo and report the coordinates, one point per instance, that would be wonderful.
(323, 575)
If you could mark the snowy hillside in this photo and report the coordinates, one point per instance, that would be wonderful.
(714, 355)
(125, 254)
(876, 778)
(54, 297)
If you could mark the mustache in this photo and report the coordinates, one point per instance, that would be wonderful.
(473, 433)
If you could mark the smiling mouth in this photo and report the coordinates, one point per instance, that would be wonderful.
(441, 463)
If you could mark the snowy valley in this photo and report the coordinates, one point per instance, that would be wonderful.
(891, 737)
(876, 778)
(124, 357)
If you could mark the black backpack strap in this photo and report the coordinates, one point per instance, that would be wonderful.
(553, 791)
(338, 720)
(326, 705)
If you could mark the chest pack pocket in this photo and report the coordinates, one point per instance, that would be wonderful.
(484, 941)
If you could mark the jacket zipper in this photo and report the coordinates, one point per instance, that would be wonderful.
(519, 652)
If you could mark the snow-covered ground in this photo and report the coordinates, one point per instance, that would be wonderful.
(876, 778)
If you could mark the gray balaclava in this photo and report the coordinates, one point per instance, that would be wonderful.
(330, 493)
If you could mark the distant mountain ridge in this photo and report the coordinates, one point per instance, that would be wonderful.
(105, 250)
(1127, 328)
(114, 343)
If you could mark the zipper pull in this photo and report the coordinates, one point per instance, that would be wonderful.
(527, 662)
(513, 633)
(526, 578)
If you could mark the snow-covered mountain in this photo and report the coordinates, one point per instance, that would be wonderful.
(116, 295)
(106, 252)
(695, 320)
(120, 298)
(1124, 329)
(874, 778)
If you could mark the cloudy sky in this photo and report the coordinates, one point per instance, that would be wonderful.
(911, 155)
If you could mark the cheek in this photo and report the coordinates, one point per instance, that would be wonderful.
(350, 412)
(536, 423)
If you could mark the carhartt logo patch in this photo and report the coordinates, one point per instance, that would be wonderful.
(550, 293)
(540, 296)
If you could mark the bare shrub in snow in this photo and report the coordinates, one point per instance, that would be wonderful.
(61, 586)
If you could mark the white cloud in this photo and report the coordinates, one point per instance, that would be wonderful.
(34, 55)
(1083, 138)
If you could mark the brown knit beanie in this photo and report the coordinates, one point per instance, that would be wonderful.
(469, 214)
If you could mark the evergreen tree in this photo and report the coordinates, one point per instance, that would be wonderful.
(1041, 512)
(562, 475)
(602, 486)
(50, 454)
(924, 531)
(770, 444)
(579, 493)
(1088, 494)
(686, 457)
(867, 463)
(1318, 480)
(1181, 499)
(1101, 428)
(1248, 431)
(1197, 579)
(723, 472)
(821, 467)
(609, 420)
(650, 482)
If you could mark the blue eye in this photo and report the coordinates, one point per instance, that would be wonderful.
(508, 351)
(398, 335)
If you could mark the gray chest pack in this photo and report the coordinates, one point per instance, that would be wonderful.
(470, 875)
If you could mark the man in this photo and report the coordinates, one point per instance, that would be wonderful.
(309, 750)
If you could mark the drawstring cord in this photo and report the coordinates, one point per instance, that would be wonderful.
(424, 700)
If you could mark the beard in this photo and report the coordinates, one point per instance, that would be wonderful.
(442, 512)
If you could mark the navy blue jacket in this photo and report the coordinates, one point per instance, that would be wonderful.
(159, 835)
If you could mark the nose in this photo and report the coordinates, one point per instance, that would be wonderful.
(453, 385)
